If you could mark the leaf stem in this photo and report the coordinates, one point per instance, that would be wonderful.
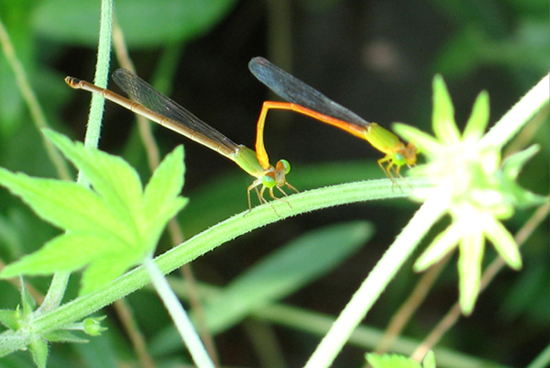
(179, 316)
(375, 283)
(505, 129)
(59, 281)
(206, 241)
(93, 129)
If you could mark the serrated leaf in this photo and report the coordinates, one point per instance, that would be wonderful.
(104, 270)
(285, 271)
(161, 200)
(44, 196)
(156, 225)
(163, 187)
(111, 227)
(59, 254)
(165, 183)
(111, 177)
(64, 204)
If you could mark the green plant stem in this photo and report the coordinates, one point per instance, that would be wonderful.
(57, 289)
(542, 360)
(375, 283)
(59, 281)
(451, 317)
(200, 244)
(93, 130)
(364, 337)
(180, 318)
(518, 115)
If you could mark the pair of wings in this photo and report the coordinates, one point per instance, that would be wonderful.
(279, 81)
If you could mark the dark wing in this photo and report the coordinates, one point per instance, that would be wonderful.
(294, 90)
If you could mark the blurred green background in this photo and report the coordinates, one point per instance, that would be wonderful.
(377, 58)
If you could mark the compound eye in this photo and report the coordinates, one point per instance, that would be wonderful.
(268, 181)
(285, 164)
(399, 159)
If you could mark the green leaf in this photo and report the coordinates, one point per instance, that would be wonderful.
(39, 350)
(10, 318)
(514, 163)
(429, 360)
(443, 119)
(109, 228)
(27, 301)
(285, 271)
(391, 361)
(504, 244)
(62, 336)
(511, 168)
(140, 20)
(167, 180)
(164, 187)
(472, 248)
(53, 256)
(66, 205)
(443, 243)
(477, 123)
(108, 268)
(113, 179)
(424, 142)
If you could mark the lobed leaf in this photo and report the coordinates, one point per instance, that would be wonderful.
(110, 227)
(111, 177)
(64, 204)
